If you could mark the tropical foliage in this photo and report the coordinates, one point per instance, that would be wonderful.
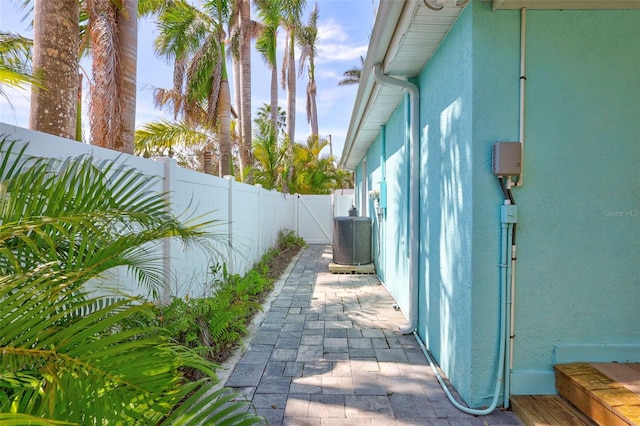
(294, 168)
(270, 12)
(196, 38)
(65, 356)
(312, 173)
(214, 323)
(352, 75)
(15, 62)
(193, 38)
(307, 38)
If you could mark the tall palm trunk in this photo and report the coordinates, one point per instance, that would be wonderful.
(105, 105)
(237, 92)
(271, 14)
(55, 55)
(113, 91)
(312, 107)
(224, 128)
(246, 156)
(127, 24)
(291, 88)
(274, 98)
(207, 159)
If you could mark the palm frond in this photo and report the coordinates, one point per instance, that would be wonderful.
(67, 357)
(83, 361)
(84, 215)
(212, 406)
(162, 137)
(15, 61)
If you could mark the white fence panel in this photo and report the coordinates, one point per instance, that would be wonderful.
(200, 198)
(249, 216)
(245, 227)
(342, 202)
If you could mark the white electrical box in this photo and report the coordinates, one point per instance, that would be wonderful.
(506, 158)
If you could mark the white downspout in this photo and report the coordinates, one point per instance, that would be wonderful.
(414, 185)
(365, 190)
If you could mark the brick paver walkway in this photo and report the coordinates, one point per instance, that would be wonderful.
(329, 353)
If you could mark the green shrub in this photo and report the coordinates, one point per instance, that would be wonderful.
(61, 224)
(215, 326)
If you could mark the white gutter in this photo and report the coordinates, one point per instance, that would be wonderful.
(414, 186)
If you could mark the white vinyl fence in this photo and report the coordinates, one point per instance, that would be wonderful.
(248, 217)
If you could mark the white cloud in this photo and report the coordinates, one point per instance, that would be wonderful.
(334, 44)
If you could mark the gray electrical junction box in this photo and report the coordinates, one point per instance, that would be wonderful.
(506, 158)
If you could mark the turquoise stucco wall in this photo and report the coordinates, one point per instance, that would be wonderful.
(446, 206)
(578, 269)
(390, 244)
(578, 286)
(578, 264)
(496, 61)
(395, 223)
(578, 290)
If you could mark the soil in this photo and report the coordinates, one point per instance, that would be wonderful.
(280, 262)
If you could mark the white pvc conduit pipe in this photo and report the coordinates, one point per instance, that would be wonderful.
(523, 80)
(512, 281)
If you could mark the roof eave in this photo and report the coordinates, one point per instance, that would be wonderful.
(389, 12)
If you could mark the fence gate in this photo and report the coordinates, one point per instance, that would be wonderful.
(315, 218)
(314, 215)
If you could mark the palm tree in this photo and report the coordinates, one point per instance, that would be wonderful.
(68, 356)
(56, 59)
(352, 75)
(165, 138)
(307, 37)
(248, 30)
(265, 113)
(271, 156)
(113, 32)
(270, 12)
(291, 13)
(194, 39)
(127, 23)
(312, 174)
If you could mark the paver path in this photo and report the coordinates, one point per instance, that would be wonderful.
(329, 353)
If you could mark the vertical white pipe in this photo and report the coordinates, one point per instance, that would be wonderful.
(520, 182)
(523, 79)
(508, 313)
(414, 187)
(512, 324)
(365, 190)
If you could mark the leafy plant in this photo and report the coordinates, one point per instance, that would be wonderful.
(214, 326)
(67, 356)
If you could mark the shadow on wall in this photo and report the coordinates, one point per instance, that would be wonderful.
(445, 243)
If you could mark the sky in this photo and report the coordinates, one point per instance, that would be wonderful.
(344, 28)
